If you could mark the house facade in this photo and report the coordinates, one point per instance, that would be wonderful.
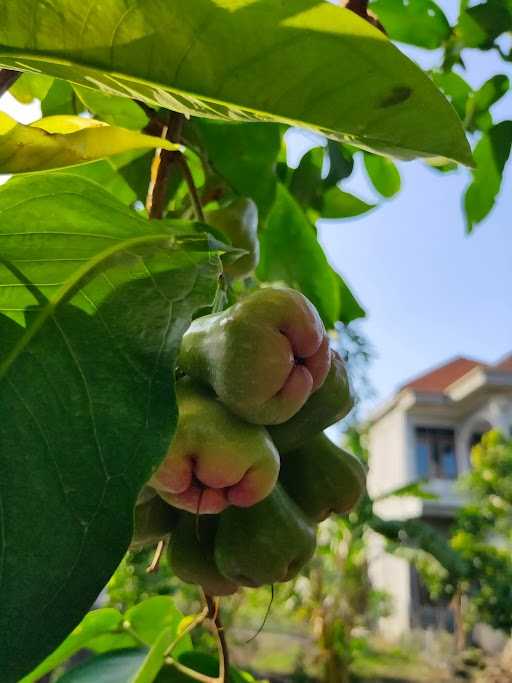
(426, 432)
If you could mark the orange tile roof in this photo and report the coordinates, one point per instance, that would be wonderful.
(439, 379)
(505, 363)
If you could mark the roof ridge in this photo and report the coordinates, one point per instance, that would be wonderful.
(437, 378)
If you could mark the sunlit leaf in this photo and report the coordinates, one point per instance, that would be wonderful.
(30, 87)
(220, 66)
(59, 141)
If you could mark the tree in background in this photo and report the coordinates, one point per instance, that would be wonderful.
(483, 533)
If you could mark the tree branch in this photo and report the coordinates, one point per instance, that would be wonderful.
(163, 162)
(7, 78)
(360, 7)
(222, 646)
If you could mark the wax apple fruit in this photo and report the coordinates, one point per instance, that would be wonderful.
(325, 407)
(215, 459)
(267, 543)
(322, 478)
(191, 554)
(263, 356)
(239, 222)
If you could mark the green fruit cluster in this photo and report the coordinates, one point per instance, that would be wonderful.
(249, 473)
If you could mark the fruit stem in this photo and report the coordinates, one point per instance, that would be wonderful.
(155, 562)
(213, 605)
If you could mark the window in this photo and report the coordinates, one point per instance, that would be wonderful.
(435, 453)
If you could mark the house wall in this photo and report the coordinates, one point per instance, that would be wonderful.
(393, 464)
(392, 575)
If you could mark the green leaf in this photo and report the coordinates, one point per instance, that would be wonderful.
(491, 155)
(292, 62)
(94, 624)
(59, 141)
(290, 253)
(417, 22)
(477, 113)
(154, 660)
(61, 99)
(306, 179)
(455, 89)
(417, 534)
(30, 87)
(150, 617)
(108, 173)
(111, 667)
(414, 489)
(338, 204)
(117, 111)
(243, 154)
(87, 407)
(341, 163)
(481, 24)
(383, 174)
(122, 667)
(350, 308)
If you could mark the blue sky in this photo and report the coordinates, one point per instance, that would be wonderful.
(430, 290)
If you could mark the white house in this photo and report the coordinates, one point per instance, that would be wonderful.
(427, 430)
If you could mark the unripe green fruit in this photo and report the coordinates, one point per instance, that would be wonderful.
(239, 222)
(264, 356)
(322, 478)
(191, 554)
(153, 519)
(267, 543)
(215, 459)
(328, 405)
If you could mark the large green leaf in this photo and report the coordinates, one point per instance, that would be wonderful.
(303, 62)
(491, 155)
(59, 141)
(418, 22)
(87, 407)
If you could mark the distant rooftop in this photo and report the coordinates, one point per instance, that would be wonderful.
(438, 379)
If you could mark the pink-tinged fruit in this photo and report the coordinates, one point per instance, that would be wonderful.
(215, 459)
(263, 356)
